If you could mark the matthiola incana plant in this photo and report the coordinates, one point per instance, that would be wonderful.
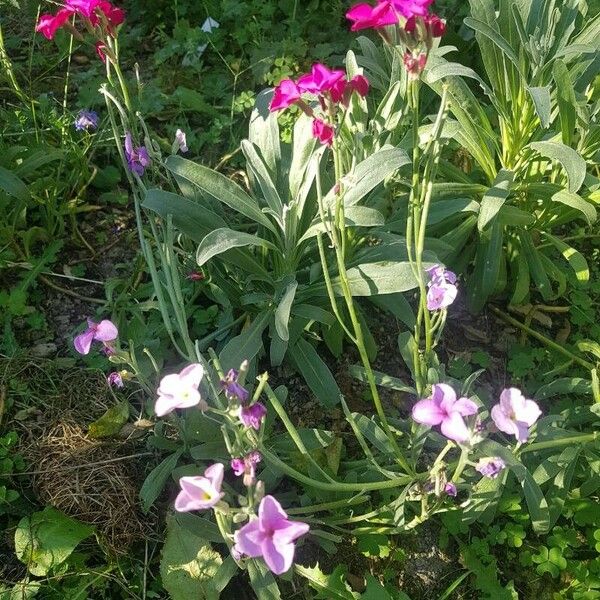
(293, 255)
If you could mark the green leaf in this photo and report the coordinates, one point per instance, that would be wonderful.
(13, 186)
(354, 216)
(260, 174)
(44, 540)
(315, 372)
(373, 433)
(494, 199)
(329, 587)
(189, 565)
(201, 527)
(536, 267)
(157, 479)
(282, 312)
(570, 159)
(219, 187)
(578, 203)
(372, 279)
(565, 386)
(223, 239)
(263, 130)
(111, 422)
(385, 381)
(542, 103)
(261, 580)
(572, 256)
(246, 345)
(303, 148)
(567, 102)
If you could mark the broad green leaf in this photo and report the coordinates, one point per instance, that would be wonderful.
(157, 479)
(200, 526)
(573, 257)
(590, 347)
(13, 186)
(372, 279)
(578, 203)
(263, 131)
(330, 587)
(111, 422)
(354, 216)
(261, 580)
(451, 69)
(483, 499)
(282, 312)
(515, 217)
(223, 239)
(219, 187)
(314, 313)
(572, 162)
(484, 278)
(246, 345)
(315, 372)
(567, 102)
(398, 305)
(564, 386)
(520, 266)
(261, 175)
(543, 104)
(494, 198)
(303, 147)
(442, 209)
(385, 381)
(536, 268)
(44, 540)
(188, 565)
(373, 433)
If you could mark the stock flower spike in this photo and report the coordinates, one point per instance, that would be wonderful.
(442, 408)
(252, 416)
(201, 492)
(323, 132)
(137, 158)
(515, 414)
(365, 16)
(86, 119)
(285, 94)
(490, 467)
(442, 288)
(180, 390)
(233, 390)
(271, 535)
(105, 331)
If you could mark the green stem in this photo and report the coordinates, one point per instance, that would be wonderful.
(574, 439)
(328, 505)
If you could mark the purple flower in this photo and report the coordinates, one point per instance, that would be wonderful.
(247, 467)
(86, 119)
(271, 536)
(490, 466)
(137, 158)
(180, 142)
(514, 414)
(115, 379)
(201, 493)
(233, 390)
(442, 408)
(252, 416)
(180, 390)
(442, 288)
(450, 489)
(105, 331)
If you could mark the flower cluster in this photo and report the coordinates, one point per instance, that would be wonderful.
(514, 415)
(99, 16)
(330, 87)
(417, 27)
(442, 288)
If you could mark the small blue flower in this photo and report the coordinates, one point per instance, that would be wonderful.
(86, 119)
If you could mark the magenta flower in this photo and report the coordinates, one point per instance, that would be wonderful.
(365, 16)
(105, 331)
(49, 24)
(101, 51)
(247, 467)
(253, 416)
(114, 15)
(180, 390)
(434, 26)
(514, 414)
(450, 490)
(233, 389)
(342, 89)
(410, 8)
(442, 288)
(85, 8)
(320, 79)
(201, 493)
(115, 380)
(137, 158)
(323, 132)
(285, 94)
(442, 408)
(360, 84)
(491, 466)
(271, 535)
(180, 142)
(86, 119)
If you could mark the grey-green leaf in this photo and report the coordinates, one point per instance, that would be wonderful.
(570, 159)
(282, 313)
(223, 239)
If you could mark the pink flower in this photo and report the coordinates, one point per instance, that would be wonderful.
(180, 390)
(85, 8)
(253, 416)
(414, 64)
(180, 142)
(323, 132)
(115, 379)
(514, 414)
(114, 15)
(201, 493)
(442, 289)
(320, 79)
(491, 466)
(49, 24)
(247, 467)
(342, 89)
(137, 158)
(105, 331)
(434, 26)
(285, 94)
(100, 51)
(410, 8)
(365, 16)
(442, 408)
(450, 489)
(360, 84)
(233, 389)
(271, 535)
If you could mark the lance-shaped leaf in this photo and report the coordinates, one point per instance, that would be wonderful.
(223, 239)
(494, 199)
(570, 159)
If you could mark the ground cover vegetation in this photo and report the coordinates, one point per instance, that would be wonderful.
(299, 298)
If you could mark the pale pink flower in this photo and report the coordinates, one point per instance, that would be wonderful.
(515, 414)
(180, 390)
(105, 331)
(201, 493)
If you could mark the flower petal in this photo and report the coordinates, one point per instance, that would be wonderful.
(428, 412)
(83, 342)
(164, 405)
(246, 539)
(214, 474)
(502, 421)
(465, 407)
(289, 531)
(270, 513)
(444, 395)
(192, 374)
(529, 413)
(106, 331)
(279, 558)
(454, 428)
